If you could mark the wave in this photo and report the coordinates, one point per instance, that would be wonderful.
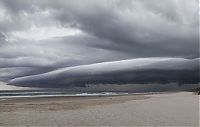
(55, 94)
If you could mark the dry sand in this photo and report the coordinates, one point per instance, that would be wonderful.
(169, 109)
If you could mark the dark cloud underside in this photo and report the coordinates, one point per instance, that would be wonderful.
(40, 36)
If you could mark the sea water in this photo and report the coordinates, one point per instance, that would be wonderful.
(52, 93)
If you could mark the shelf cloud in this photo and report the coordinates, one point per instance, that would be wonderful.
(41, 38)
(148, 70)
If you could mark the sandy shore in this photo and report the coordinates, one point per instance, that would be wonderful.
(170, 109)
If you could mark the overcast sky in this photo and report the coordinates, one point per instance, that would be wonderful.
(38, 36)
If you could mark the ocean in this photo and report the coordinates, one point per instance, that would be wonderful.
(52, 93)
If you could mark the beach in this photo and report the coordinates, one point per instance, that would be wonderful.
(164, 109)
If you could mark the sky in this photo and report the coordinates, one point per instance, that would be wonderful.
(38, 37)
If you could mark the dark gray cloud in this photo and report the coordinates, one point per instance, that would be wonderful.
(2, 39)
(46, 35)
(126, 26)
(13, 72)
(142, 71)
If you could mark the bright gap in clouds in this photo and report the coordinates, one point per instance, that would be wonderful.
(42, 33)
(4, 86)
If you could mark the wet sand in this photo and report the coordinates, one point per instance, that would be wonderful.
(169, 109)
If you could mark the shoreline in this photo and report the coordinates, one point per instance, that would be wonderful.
(67, 98)
(78, 94)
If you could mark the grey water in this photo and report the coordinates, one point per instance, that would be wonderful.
(98, 90)
(52, 93)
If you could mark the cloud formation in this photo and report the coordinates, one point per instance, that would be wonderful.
(42, 36)
(136, 71)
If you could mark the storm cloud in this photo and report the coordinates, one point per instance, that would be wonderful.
(39, 37)
(148, 70)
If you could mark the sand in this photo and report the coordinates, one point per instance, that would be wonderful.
(169, 109)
